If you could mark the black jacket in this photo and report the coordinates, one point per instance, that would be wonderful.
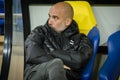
(44, 44)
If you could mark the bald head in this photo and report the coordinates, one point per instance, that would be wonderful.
(64, 8)
(60, 16)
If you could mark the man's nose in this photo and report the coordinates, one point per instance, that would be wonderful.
(50, 21)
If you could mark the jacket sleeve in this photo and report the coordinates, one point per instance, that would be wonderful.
(35, 54)
(76, 59)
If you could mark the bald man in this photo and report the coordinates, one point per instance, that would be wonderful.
(57, 50)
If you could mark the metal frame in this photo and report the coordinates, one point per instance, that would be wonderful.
(7, 41)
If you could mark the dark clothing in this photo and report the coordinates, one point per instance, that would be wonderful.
(44, 44)
(50, 70)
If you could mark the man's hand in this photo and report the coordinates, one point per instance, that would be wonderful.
(66, 67)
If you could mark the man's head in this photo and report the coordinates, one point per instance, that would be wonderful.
(60, 16)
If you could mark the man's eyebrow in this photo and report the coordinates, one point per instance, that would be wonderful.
(54, 16)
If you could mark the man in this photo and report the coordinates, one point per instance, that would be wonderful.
(57, 51)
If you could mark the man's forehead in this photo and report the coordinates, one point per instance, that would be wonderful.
(55, 11)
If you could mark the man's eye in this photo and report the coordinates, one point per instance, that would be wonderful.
(55, 17)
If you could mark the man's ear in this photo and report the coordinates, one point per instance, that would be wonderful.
(68, 21)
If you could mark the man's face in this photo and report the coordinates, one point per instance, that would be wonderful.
(57, 19)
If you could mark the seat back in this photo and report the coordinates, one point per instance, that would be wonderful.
(111, 68)
(86, 21)
(114, 54)
(83, 15)
(114, 45)
(94, 37)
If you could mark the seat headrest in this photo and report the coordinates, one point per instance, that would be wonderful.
(83, 15)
